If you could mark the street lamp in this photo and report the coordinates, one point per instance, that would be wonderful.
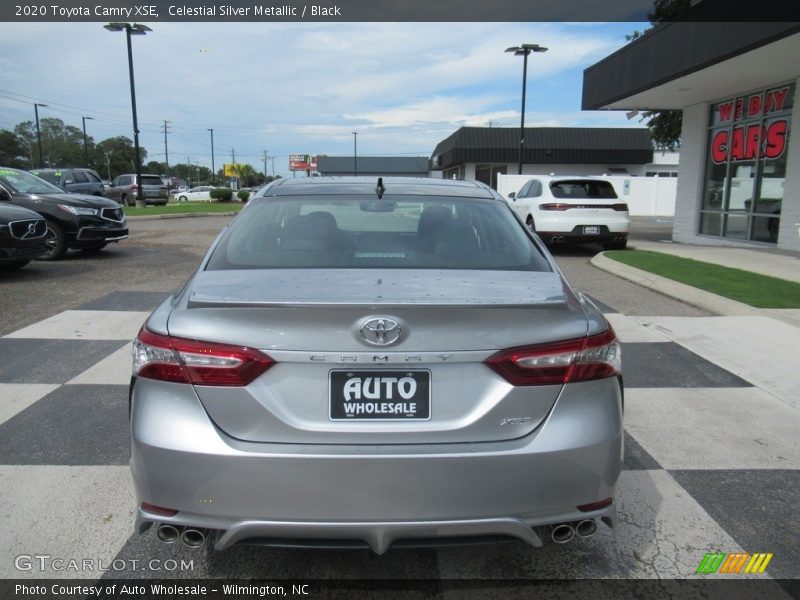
(132, 29)
(524, 50)
(355, 153)
(85, 144)
(39, 133)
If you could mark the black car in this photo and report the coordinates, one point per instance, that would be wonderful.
(76, 181)
(73, 220)
(22, 236)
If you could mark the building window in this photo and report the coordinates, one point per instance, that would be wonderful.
(488, 173)
(746, 159)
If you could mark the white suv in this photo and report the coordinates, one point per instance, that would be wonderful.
(573, 209)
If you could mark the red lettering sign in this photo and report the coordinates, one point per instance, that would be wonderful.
(725, 111)
(754, 105)
(750, 143)
(776, 99)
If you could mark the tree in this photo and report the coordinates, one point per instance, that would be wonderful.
(62, 145)
(665, 125)
(155, 167)
(245, 173)
(13, 152)
(115, 156)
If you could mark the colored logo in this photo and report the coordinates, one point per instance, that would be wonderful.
(734, 563)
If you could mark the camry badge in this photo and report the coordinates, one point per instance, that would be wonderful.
(380, 331)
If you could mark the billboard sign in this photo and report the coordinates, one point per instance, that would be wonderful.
(302, 162)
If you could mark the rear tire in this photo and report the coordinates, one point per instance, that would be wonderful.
(55, 241)
(615, 245)
(182, 199)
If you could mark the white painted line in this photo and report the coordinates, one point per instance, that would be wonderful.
(629, 330)
(64, 512)
(16, 397)
(115, 369)
(714, 428)
(759, 349)
(86, 325)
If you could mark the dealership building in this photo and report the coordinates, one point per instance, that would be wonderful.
(736, 83)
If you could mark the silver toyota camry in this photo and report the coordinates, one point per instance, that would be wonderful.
(367, 362)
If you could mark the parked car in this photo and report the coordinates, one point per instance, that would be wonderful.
(573, 209)
(22, 236)
(375, 363)
(202, 192)
(124, 189)
(77, 181)
(73, 220)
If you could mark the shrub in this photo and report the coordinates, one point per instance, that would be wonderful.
(222, 194)
(243, 195)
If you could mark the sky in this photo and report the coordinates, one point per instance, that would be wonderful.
(301, 88)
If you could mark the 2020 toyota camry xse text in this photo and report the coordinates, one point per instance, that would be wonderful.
(376, 362)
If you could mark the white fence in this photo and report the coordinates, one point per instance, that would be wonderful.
(645, 196)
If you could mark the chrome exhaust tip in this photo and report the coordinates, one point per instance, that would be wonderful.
(586, 528)
(561, 534)
(193, 537)
(168, 534)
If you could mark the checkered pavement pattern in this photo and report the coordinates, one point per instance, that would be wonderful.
(712, 463)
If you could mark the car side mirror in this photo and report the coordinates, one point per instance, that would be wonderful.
(513, 195)
(4, 195)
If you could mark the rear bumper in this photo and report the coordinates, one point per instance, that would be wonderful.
(376, 494)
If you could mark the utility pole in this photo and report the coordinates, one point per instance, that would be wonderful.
(213, 169)
(166, 150)
(272, 160)
(266, 156)
(39, 133)
(233, 156)
(85, 142)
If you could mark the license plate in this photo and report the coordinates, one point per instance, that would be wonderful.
(591, 230)
(380, 395)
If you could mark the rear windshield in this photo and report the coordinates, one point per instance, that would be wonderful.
(48, 176)
(151, 180)
(364, 232)
(582, 188)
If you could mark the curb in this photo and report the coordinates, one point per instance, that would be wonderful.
(181, 216)
(680, 291)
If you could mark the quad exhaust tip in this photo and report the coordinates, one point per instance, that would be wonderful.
(167, 534)
(193, 538)
(586, 528)
(562, 533)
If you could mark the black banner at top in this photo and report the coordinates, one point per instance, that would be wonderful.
(149, 11)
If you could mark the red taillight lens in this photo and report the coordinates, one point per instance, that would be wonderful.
(169, 358)
(555, 206)
(582, 359)
(620, 207)
(159, 510)
(596, 505)
(134, 187)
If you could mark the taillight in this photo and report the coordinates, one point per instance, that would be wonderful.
(581, 359)
(555, 206)
(621, 207)
(180, 360)
(134, 187)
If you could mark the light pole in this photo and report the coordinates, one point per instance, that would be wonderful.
(355, 153)
(133, 29)
(524, 50)
(39, 133)
(85, 143)
(213, 170)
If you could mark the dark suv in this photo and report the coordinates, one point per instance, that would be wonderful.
(73, 220)
(75, 181)
(124, 188)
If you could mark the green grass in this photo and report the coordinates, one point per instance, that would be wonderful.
(750, 288)
(184, 207)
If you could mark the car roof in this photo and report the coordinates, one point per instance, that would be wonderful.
(553, 178)
(413, 186)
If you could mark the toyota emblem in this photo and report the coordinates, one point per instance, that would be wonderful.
(380, 331)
